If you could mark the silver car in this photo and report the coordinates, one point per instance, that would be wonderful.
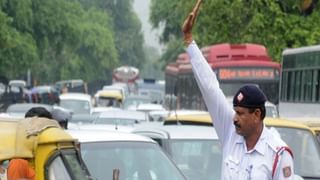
(195, 149)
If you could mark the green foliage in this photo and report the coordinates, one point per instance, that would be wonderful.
(129, 39)
(64, 39)
(238, 21)
(152, 68)
(127, 30)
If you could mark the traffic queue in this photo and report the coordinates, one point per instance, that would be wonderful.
(122, 140)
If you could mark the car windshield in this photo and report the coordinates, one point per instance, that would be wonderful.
(76, 106)
(136, 161)
(198, 159)
(108, 102)
(134, 102)
(305, 149)
(66, 165)
(271, 111)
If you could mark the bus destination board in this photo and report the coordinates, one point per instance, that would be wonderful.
(247, 73)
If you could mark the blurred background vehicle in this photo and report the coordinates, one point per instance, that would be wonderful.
(72, 85)
(133, 101)
(121, 117)
(78, 103)
(108, 98)
(19, 110)
(45, 94)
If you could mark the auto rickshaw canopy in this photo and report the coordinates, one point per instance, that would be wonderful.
(21, 137)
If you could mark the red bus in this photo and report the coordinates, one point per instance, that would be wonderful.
(234, 65)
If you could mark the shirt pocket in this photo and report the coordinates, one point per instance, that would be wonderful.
(232, 168)
(260, 172)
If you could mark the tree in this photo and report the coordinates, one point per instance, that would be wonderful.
(127, 30)
(56, 39)
(238, 21)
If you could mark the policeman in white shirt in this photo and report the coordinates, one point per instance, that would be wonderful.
(250, 150)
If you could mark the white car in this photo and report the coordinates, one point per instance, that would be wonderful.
(132, 101)
(150, 107)
(195, 149)
(78, 103)
(134, 157)
(19, 110)
(120, 117)
(98, 110)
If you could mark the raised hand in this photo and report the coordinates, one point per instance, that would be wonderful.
(188, 23)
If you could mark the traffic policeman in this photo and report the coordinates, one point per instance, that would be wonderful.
(250, 150)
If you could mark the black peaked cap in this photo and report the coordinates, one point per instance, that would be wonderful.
(249, 96)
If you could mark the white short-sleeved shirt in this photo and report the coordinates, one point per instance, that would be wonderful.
(238, 162)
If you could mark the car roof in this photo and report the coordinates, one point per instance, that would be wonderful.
(113, 87)
(17, 133)
(79, 96)
(24, 107)
(205, 118)
(195, 117)
(87, 136)
(109, 93)
(178, 132)
(313, 123)
(123, 114)
(17, 82)
(104, 109)
(105, 127)
(149, 106)
(278, 122)
(138, 96)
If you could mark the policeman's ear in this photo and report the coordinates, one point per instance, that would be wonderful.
(258, 113)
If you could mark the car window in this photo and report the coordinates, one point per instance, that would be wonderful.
(197, 159)
(271, 111)
(135, 102)
(305, 149)
(103, 158)
(66, 166)
(76, 106)
(108, 102)
(57, 170)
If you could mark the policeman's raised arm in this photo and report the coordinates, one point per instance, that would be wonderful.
(188, 23)
(213, 96)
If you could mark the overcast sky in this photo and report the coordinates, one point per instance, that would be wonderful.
(142, 7)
